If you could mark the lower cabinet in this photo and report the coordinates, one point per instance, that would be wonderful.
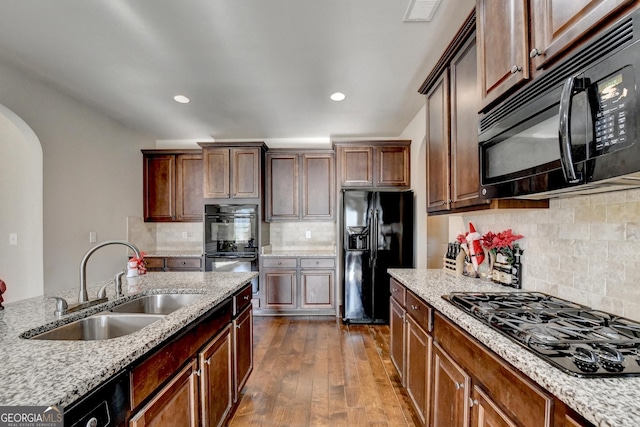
(159, 263)
(453, 380)
(297, 285)
(176, 404)
(195, 378)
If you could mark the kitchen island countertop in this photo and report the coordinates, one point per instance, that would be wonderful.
(47, 372)
(606, 402)
(300, 253)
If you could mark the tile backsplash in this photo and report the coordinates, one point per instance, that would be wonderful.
(584, 248)
(293, 235)
(153, 237)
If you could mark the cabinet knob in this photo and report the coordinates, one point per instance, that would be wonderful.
(472, 402)
(246, 297)
(196, 372)
(515, 69)
(279, 262)
(459, 385)
(534, 52)
(414, 307)
(238, 326)
(395, 290)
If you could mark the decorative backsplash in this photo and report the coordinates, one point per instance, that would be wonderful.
(292, 235)
(584, 248)
(165, 236)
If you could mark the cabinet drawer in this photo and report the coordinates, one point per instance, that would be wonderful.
(398, 292)
(419, 311)
(317, 262)
(241, 300)
(279, 262)
(154, 263)
(184, 262)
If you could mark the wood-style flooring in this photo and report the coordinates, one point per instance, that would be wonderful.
(316, 371)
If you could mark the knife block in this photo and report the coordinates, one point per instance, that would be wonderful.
(454, 265)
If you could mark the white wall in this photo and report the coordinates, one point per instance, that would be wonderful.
(92, 177)
(416, 132)
(20, 208)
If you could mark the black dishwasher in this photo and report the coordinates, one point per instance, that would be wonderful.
(107, 405)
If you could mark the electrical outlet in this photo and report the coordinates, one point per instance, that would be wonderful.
(185, 235)
(13, 239)
(93, 237)
(308, 234)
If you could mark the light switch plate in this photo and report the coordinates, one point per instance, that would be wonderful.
(13, 239)
(93, 237)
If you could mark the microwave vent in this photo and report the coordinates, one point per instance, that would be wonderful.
(609, 42)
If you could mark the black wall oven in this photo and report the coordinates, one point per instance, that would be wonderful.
(573, 130)
(230, 239)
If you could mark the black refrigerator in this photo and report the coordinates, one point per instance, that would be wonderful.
(377, 232)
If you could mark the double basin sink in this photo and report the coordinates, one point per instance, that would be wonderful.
(123, 319)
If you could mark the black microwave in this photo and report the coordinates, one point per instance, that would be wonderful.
(572, 131)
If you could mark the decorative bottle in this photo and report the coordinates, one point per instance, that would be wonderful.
(516, 269)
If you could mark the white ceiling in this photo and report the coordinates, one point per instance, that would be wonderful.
(252, 68)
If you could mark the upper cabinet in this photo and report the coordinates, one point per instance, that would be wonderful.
(233, 171)
(300, 185)
(507, 56)
(172, 185)
(374, 164)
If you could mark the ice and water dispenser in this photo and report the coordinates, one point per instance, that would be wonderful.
(358, 237)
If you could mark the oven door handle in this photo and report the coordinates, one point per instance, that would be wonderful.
(566, 157)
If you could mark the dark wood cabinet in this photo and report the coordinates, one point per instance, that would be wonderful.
(176, 404)
(438, 159)
(503, 55)
(418, 359)
(374, 164)
(486, 413)
(451, 394)
(172, 185)
(159, 263)
(233, 171)
(517, 39)
(300, 185)
(216, 380)
(398, 337)
(297, 285)
(243, 348)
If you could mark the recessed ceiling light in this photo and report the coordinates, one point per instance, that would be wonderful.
(181, 99)
(338, 96)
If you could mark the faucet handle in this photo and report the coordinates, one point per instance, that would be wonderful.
(118, 279)
(61, 305)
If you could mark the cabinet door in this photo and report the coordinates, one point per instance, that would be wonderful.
(245, 172)
(216, 173)
(282, 193)
(398, 337)
(557, 24)
(486, 413)
(450, 391)
(176, 404)
(503, 49)
(419, 346)
(356, 166)
(318, 186)
(189, 188)
(216, 381)
(392, 167)
(280, 289)
(159, 187)
(316, 288)
(243, 349)
(465, 162)
(438, 146)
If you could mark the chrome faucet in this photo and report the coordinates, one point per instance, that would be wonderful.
(83, 297)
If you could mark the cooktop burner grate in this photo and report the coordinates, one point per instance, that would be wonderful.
(573, 337)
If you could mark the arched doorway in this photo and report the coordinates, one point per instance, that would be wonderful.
(21, 208)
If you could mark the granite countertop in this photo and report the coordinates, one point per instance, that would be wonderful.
(172, 254)
(40, 372)
(606, 402)
(302, 253)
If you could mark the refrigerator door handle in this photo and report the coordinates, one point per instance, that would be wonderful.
(370, 225)
(374, 239)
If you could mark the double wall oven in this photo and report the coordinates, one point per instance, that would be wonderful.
(230, 239)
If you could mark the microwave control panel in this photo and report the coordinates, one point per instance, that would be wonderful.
(614, 115)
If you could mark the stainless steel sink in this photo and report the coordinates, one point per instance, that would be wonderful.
(157, 304)
(102, 326)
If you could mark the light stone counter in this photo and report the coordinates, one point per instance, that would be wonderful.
(606, 402)
(300, 253)
(41, 372)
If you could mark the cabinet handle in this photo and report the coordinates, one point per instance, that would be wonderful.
(238, 326)
(246, 297)
(197, 372)
(534, 52)
(279, 263)
(414, 307)
(459, 385)
(395, 290)
(472, 402)
(208, 361)
(515, 69)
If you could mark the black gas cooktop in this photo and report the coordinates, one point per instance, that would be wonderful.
(575, 338)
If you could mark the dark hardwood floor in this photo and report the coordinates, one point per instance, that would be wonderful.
(316, 371)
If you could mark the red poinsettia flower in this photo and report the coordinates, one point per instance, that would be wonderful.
(501, 240)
